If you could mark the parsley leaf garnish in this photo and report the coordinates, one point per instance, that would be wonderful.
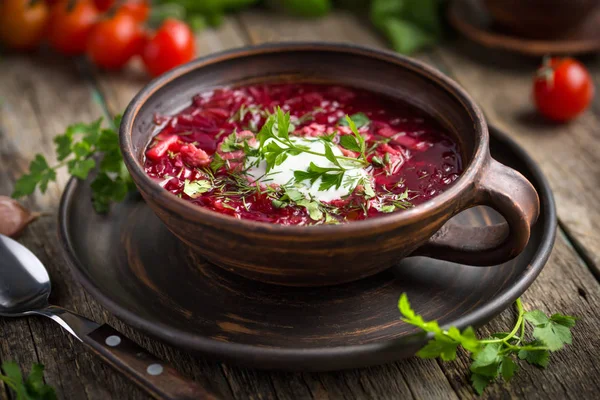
(494, 358)
(314, 211)
(359, 119)
(196, 188)
(78, 149)
(31, 388)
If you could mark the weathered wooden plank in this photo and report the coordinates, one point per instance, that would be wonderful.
(41, 95)
(565, 285)
(568, 153)
(35, 106)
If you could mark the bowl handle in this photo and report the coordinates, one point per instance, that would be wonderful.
(509, 193)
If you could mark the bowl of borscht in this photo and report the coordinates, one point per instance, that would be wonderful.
(310, 164)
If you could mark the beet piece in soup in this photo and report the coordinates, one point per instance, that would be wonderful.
(302, 154)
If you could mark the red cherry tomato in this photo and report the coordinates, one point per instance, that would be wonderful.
(69, 28)
(22, 24)
(172, 45)
(562, 89)
(138, 9)
(103, 5)
(113, 41)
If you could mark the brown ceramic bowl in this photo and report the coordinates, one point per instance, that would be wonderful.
(332, 254)
(541, 19)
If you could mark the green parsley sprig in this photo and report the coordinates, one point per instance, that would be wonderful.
(31, 388)
(81, 148)
(495, 357)
(276, 129)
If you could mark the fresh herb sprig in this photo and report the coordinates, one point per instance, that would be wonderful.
(495, 357)
(78, 149)
(31, 388)
(276, 145)
(276, 129)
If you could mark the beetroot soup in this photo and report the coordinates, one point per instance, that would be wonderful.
(302, 154)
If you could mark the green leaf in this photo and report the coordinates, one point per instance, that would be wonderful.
(360, 140)
(487, 360)
(508, 368)
(283, 124)
(329, 219)
(25, 185)
(368, 190)
(279, 159)
(196, 188)
(540, 358)
(350, 143)
(329, 180)
(116, 122)
(406, 37)
(330, 156)
(359, 119)
(470, 341)
(81, 168)
(405, 307)
(106, 190)
(553, 332)
(89, 132)
(313, 209)
(82, 149)
(426, 14)
(35, 386)
(467, 338)
(409, 25)
(217, 163)
(266, 131)
(112, 162)
(278, 203)
(108, 141)
(377, 161)
(13, 372)
(40, 174)
(387, 208)
(301, 176)
(63, 146)
(230, 143)
(439, 347)
(480, 382)
(293, 194)
(564, 320)
(536, 317)
(553, 335)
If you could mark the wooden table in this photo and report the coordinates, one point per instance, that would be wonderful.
(40, 95)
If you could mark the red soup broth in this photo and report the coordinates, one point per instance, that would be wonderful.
(202, 154)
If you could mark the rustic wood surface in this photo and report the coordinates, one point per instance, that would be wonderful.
(41, 94)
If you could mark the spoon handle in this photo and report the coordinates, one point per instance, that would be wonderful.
(154, 376)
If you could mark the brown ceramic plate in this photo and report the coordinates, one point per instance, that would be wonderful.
(139, 271)
(471, 19)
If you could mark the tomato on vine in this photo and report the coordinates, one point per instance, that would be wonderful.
(22, 23)
(172, 45)
(114, 40)
(562, 89)
(70, 27)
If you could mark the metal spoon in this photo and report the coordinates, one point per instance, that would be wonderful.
(24, 290)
